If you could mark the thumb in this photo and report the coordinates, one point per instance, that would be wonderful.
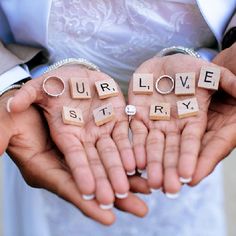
(24, 97)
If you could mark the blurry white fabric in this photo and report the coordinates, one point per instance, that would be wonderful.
(118, 36)
(12, 76)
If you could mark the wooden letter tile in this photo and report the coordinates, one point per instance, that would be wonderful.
(106, 88)
(79, 88)
(160, 111)
(209, 78)
(185, 83)
(103, 114)
(72, 116)
(187, 107)
(143, 83)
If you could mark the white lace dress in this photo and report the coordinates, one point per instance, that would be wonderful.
(118, 36)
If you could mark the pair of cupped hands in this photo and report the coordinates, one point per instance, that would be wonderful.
(79, 162)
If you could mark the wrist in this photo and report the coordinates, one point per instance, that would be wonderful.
(69, 71)
(73, 61)
(178, 49)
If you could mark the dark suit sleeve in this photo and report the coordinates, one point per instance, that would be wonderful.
(230, 34)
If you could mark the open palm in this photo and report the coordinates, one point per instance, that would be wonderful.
(169, 149)
(94, 154)
(25, 136)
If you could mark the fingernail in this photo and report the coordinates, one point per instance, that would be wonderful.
(131, 173)
(185, 180)
(106, 207)
(140, 171)
(9, 104)
(144, 174)
(88, 197)
(154, 190)
(172, 195)
(121, 195)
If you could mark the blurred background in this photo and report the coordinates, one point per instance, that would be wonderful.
(229, 187)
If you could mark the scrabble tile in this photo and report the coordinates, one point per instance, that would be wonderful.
(72, 116)
(143, 83)
(106, 88)
(187, 107)
(209, 78)
(103, 114)
(79, 88)
(185, 83)
(160, 111)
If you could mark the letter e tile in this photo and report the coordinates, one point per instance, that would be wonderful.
(72, 116)
(209, 78)
(143, 83)
(187, 107)
(103, 114)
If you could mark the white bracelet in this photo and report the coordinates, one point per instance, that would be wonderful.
(178, 49)
(71, 61)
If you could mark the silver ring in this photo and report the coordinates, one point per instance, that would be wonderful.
(46, 81)
(169, 90)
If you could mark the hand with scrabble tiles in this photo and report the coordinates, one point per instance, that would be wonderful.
(26, 138)
(220, 138)
(168, 128)
(91, 130)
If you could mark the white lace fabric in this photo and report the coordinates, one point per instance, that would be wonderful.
(119, 35)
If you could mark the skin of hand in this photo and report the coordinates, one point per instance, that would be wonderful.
(170, 149)
(26, 138)
(220, 137)
(227, 58)
(97, 156)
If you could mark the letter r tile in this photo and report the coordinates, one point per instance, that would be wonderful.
(106, 88)
(187, 107)
(142, 83)
(160, 111)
